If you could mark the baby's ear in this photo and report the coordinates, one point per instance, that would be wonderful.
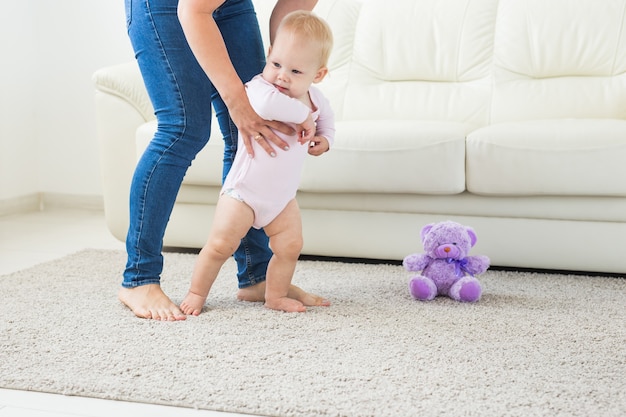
(321, 73)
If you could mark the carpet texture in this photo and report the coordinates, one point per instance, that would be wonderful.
(534, 345)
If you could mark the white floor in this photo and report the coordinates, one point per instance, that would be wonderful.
(32, 238)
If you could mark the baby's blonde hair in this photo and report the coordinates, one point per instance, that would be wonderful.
(311, 28)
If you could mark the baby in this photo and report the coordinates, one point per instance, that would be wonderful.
(260, 192)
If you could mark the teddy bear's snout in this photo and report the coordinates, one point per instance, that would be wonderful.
(447, 251)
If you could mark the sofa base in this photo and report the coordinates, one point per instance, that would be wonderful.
(509, 242)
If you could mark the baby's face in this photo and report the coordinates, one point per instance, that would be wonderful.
(292, 65)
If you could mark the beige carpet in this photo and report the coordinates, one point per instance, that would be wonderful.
(535, 345)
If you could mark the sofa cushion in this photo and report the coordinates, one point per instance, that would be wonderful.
(390, 156)
(417, 60)
(559, 59)
(575, 157)
(368, 156)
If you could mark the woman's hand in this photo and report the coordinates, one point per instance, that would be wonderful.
(252, 127)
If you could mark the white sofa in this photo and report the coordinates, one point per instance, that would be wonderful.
(508, 116)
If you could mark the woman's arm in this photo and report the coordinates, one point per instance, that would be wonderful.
(284, 7)
(207, 44)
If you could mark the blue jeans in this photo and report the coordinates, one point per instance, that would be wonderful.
(182, 96)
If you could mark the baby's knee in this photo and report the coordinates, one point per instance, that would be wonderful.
(220, 248)
(287, 246)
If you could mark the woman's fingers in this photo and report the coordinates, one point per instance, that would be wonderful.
(281, 127)
(266, 137)
(263, 143)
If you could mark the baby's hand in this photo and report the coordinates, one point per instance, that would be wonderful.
(318, 145)
(306, 130)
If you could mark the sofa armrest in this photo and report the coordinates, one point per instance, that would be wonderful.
(125, 82)
(122, 105)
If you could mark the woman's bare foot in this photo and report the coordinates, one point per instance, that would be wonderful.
(150, 302)
(286, 304)
(256, 293)
(192, 304)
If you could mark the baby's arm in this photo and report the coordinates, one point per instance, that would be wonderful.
(271, 104)
(319, 145)
(325, 128)
(307, 129)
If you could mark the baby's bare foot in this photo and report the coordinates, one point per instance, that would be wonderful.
(150, 302)
(307, 298)
(192, 304)
(256, 293)
(286, 304)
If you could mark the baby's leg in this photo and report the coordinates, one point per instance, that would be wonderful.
(232, 221)
(285, 233)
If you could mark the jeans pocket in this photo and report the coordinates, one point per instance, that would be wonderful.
(129, 10)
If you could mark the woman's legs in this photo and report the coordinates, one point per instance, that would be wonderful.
(179, 92)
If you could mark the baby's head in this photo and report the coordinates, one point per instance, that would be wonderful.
(299, 55)
(311, 31)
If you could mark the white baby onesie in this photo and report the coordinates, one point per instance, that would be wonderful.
(268, 183)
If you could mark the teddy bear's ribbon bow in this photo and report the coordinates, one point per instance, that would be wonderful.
(460, 266)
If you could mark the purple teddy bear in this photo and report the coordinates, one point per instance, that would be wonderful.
(446, 268)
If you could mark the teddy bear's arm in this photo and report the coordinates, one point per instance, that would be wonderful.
(477, 264)
(416, 262)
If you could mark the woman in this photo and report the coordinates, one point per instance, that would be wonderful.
(194, 54)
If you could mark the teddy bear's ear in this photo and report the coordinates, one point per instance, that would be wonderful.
(425, 231)
(472, 235)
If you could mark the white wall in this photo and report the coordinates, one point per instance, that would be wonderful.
(47, 121)
(18, 143)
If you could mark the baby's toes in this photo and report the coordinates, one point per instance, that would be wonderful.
(315, 301)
